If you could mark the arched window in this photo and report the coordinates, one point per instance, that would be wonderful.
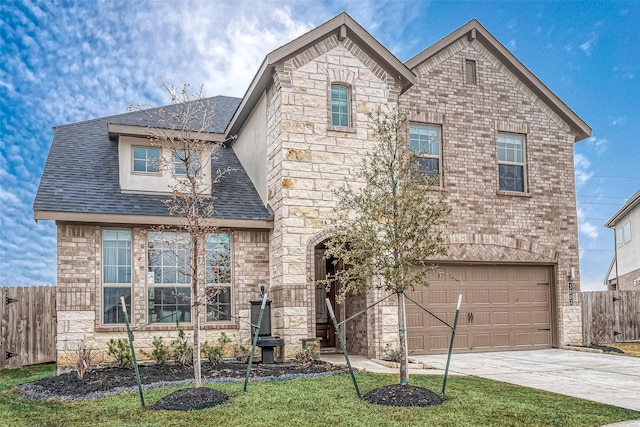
(339, 105)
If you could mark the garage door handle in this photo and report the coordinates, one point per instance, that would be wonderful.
(469, 317)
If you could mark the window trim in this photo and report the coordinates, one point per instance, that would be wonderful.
(350, 108)
(228, 285)
(104, 284)
(523, 164)
(164, 285)
(624, 237)
(422, 154)
(465, 72)
(195, 163)
(145, 172)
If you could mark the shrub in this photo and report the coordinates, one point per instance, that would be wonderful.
(181, 349)
(241, 353)
(215, 353)
(83, 359)
(119, 349)
(160, 352)
(390, 353)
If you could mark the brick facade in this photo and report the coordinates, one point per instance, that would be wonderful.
(79, 291)
(488, 225)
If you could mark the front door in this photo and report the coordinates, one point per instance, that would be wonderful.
(324, 325)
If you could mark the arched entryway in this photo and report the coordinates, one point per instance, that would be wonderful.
(325, 268)
(355, 331)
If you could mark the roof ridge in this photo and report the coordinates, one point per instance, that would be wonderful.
(111, 116)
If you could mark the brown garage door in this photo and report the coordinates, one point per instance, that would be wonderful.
(503, 308)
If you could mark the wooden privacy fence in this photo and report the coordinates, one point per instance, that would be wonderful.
(27, 325)
(610, 316)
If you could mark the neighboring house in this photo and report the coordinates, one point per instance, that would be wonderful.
(501, 141)
(624, 272)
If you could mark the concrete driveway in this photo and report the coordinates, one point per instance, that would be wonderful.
(605, 378)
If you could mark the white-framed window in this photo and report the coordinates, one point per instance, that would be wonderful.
(340, 101)
(116, 275)
(168, 278)
(623, 234)
(511, 163)
(182, 164)
(146, 159)
(218, 268)
(424, 140)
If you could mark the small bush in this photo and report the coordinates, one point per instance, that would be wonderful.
(160, 353)
(305, 356)
(215, 353)
(119, 349)
(390, 353)
(181, 349)
(241, 353)
(83, 360)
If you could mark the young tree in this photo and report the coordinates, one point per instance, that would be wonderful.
(182, 131)
(388, 225)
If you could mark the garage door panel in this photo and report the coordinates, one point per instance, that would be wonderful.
(522, 296)
(501, 340)
(481, 318)
(541, 317)
(540, 295)
(415, 320)
(438, 296)
(500, 296)
(481, 296)
(509, 306)
(501, 318)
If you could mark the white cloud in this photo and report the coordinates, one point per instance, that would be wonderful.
(582, 165)
(615, 121)
(589, 230)
(587, 46)
(599, 145)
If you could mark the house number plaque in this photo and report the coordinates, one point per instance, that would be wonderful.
(570, 293)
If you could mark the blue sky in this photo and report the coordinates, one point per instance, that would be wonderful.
(66, 61)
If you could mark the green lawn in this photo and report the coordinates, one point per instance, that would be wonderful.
(314, 402)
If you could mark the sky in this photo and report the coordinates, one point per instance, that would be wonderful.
(68, 61)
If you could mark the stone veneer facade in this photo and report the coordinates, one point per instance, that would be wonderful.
(79, 291)
(307, 160)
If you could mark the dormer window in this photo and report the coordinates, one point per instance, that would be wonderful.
(146, 159)
(339, 105)
(182, 164)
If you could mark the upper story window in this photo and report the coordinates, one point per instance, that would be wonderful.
(184, 162)
(511, 163)
(218, 267)
(168, 279)
(146, 159)
(425, 142)
(340, 106)
(470, 72)
(623, 234)
(116, 274)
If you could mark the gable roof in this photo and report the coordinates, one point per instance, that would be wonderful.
(473, 30)
(624, 210)
(80, 180)
(344, 26)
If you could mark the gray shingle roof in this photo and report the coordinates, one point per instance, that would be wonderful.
(81, 172)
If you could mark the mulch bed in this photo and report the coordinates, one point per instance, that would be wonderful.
(403, 395)
(109, 381)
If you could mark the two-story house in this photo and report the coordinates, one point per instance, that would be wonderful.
(624, 272)
(501, 141)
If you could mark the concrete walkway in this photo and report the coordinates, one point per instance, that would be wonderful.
(604, 378)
